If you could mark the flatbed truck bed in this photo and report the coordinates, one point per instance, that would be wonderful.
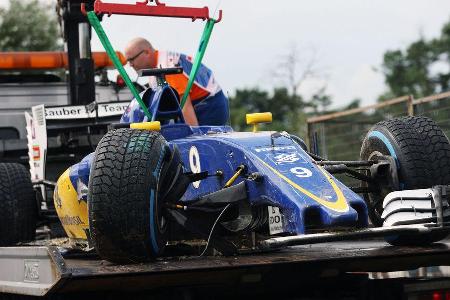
(47, 271)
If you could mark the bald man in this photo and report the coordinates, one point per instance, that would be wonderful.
(206, 103)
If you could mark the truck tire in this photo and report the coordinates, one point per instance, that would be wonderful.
(127, 222)
(412, 142)
(18, 205)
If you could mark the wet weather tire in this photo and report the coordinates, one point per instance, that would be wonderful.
(422, 155)
(437, 148)
(18, 205)
(396, 139)
(126, 217)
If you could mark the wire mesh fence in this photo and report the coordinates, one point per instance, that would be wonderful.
(338, 136)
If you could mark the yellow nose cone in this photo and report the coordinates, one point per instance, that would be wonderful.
(256, 118)
(72, 212)
(152, 126)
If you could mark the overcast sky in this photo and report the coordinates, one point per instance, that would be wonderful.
(348, 38)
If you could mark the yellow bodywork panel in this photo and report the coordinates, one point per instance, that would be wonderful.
(152, 126)
(72, 212)
(256, 118)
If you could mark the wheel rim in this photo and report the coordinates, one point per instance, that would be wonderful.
(376, 202)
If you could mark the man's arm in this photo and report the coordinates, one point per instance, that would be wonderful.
(189, 113)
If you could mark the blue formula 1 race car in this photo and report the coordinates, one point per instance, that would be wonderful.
(163, 182)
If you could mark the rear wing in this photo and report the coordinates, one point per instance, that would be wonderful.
(44, 119)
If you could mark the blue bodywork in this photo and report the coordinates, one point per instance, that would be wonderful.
(290, 181)
(305, 193)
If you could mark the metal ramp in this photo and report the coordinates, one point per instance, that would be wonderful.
(41, 271)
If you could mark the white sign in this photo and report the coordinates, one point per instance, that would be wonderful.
(194, 163)
(68, 112)
(275, 220)
(112, 109)
(85, 112)
(37, 141)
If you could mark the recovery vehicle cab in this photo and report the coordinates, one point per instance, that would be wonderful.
(32, 78)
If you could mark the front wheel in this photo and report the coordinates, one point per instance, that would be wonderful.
(421, 153)
(127, 218)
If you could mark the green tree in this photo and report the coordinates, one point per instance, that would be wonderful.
(28, 25)
(286, 109)
(421, 69)
(320, 102)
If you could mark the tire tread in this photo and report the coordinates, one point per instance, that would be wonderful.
(118, 202)
(17, 204)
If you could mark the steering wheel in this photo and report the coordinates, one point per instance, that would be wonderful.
(160, 71)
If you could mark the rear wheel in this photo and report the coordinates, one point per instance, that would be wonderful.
(127, 219)
(421, 152)
(18, 205)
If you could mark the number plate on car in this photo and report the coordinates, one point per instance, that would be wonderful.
(275, 220)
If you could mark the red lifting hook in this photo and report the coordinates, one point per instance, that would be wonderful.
(158, 10)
